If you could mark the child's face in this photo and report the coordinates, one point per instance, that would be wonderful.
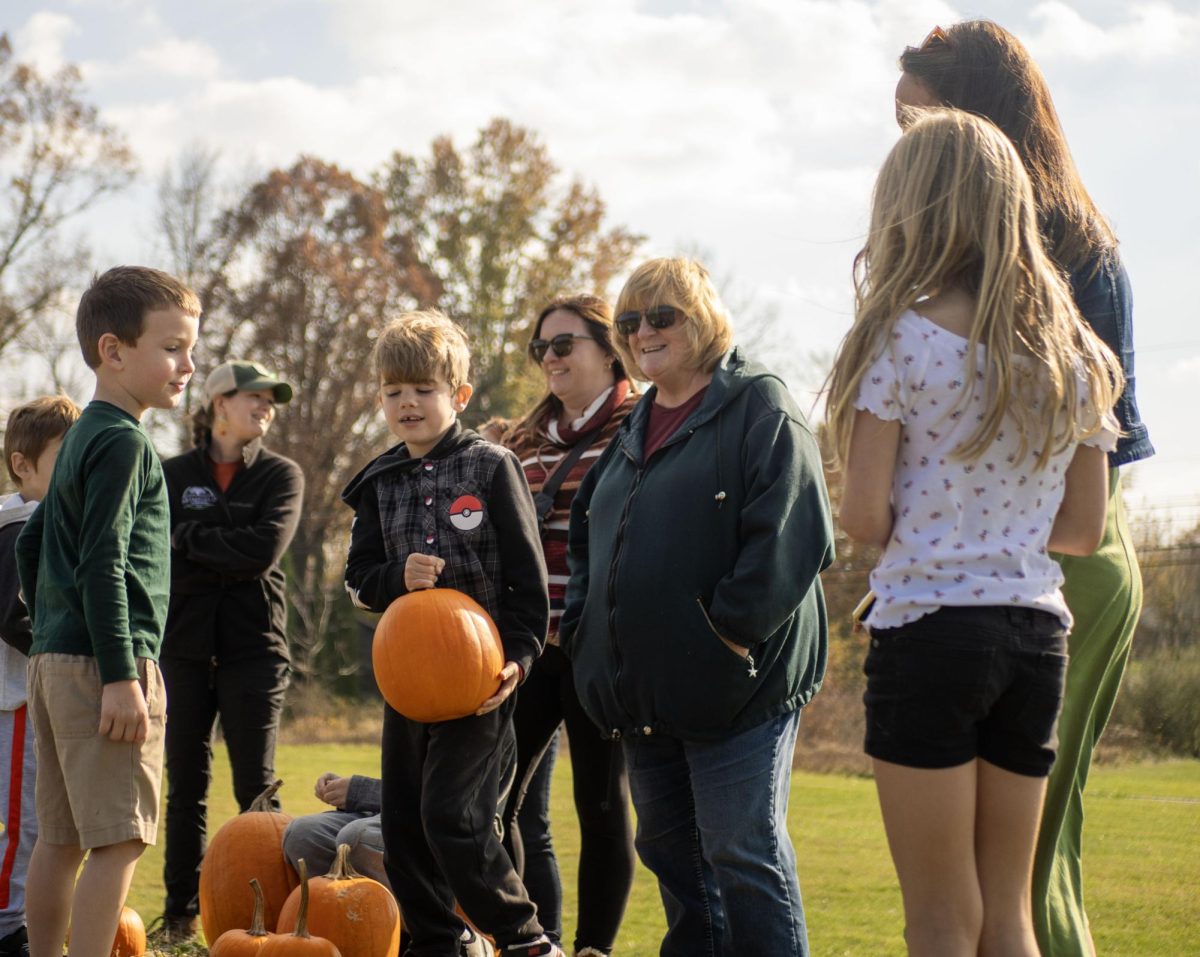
(420, 413)
(35, 474)
(153, 373)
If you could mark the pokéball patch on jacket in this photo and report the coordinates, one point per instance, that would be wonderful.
(466, 513)
(198, 496)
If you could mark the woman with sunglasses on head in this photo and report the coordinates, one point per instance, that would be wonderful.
(695, 620)
(234, 510)
(982, 68)
(587, 397)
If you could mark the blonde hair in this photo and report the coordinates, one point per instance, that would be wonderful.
(685, 284)
(953, 207)
(33, 426)
(420, 347)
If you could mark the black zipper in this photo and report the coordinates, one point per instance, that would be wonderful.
(618, 543)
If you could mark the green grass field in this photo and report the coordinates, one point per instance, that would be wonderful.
(1142, 856)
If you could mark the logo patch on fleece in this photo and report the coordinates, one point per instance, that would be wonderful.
(198, 496)
(466, 513)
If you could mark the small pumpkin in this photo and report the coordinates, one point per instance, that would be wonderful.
(247, 846)
(131, 935)
(355, 912)
(437, 655)
(300, 943)
(241, 943)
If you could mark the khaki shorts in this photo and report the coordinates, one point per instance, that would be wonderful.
(91, 791)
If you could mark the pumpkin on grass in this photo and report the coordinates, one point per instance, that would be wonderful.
(437, 655)
(355, 912)
(131, 935)
(244, 943)
(301, 943)
(247, 846)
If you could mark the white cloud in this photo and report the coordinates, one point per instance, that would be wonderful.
(40, 41)
(1153, 32)
(170, 58)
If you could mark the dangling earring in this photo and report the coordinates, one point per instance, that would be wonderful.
(222, 428)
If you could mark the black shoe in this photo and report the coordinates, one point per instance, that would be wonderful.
(15, 944)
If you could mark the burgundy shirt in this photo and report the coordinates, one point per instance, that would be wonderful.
(665, 422)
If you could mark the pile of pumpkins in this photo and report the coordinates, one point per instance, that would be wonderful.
(247, 885)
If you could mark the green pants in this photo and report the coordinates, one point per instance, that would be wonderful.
(1104, 593)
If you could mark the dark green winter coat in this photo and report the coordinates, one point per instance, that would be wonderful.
(722, 532)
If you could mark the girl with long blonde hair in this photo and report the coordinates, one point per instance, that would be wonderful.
(969, 406)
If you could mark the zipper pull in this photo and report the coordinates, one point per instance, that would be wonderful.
(751, 671)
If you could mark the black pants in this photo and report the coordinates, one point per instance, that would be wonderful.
(441, 784)
(248, 697)
(606, 854)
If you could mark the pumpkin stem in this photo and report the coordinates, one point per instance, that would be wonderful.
(263, 801)
(342, 869)
(302, 917)
(257, 927)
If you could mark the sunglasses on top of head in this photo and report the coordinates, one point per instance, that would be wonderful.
(562, 344)
(659, 317)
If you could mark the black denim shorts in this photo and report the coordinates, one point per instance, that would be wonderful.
(967, 682)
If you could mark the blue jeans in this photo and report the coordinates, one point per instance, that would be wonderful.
(712, 827)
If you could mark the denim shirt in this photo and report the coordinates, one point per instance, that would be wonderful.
(1102, 294)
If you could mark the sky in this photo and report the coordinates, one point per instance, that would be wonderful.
(749, 129)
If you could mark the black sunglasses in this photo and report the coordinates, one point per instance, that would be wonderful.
(562, 344)
(659, 317)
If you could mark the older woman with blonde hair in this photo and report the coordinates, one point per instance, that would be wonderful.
(695, 620)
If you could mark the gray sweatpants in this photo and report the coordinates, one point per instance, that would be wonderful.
(315, 838)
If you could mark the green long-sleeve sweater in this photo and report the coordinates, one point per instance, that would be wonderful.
(95, 558)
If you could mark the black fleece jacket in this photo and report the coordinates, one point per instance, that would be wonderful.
(721, 533)
(228, 593)
(466, 501)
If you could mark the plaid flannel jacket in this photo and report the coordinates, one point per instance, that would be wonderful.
(467, 502)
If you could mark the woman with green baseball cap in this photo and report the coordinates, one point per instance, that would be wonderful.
(234, 509)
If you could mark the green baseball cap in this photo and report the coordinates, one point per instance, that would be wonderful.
(245, 377)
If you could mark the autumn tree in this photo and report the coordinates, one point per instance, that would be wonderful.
(57, 158)
(189, 195)
(504, 234)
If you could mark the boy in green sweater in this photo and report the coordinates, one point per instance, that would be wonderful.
(94, 562)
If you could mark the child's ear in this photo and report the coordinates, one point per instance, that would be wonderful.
(109, 347)
(462, 395)
(22, 466)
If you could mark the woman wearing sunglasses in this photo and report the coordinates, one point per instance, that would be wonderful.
(981, 67)
(695, 621)
(587, 397)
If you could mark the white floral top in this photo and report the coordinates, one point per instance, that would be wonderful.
(965, 533)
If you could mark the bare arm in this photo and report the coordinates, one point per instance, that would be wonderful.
(1079, 524)
(866, 508)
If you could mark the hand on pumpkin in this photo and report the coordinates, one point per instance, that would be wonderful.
(332, 789)
(123, 712)
(421, 571)
(510, 676)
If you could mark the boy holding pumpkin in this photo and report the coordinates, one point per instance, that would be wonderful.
(441, 780)
(94, 563)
